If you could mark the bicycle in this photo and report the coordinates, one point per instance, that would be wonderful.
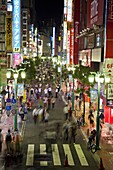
(91, 146)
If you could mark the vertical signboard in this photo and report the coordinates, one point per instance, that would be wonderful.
(53, 42)
(20, 90)
(69, 11)
(16, 26)
(76, 29)
(109, 31)
(9, 33)
(68, 47)
(95, 10)
(110, 95)
(71, 45)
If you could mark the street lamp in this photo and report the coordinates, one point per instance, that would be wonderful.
(99, 78)
(15, 75)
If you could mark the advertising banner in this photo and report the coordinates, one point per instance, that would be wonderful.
(17, 59)
(9, 34)
(20, 89)
(16, 26)
(24, 96)
(93, 95)
(110, 95)
(109, 68)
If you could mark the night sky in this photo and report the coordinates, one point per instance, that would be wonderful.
(49, 9)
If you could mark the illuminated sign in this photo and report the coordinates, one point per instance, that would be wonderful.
(53, 42)
(16, 26)
(65, 6)
(17, 59)
(8, 33)
(69, 11)
(68, 47)
(71, 45)
(65, 36)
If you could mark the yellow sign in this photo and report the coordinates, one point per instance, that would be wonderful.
(8, 33)
(16, 50)
(24, 96)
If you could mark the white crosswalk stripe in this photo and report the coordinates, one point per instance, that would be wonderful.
(30, 155)
(67, 151)
(81, 155)
(43, 151)
(56, 157)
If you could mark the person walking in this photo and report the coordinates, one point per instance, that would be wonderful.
(46, 116)
(70, 113)
(49, 103)
(65, 110)
(35, 115)
(53, 100)
(1, 140)
(91, 119)
(8, 141)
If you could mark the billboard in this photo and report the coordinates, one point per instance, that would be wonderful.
(69, 11)
(95, 10)
(16, 26)
(17, 59)
(9, 34)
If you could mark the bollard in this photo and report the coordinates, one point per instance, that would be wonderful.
(66, 161)
(101, 165)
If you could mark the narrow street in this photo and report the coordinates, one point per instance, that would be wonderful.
(35, 143)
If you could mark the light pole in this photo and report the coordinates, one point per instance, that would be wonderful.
(99, 78)
(73, 97)
(15, 75)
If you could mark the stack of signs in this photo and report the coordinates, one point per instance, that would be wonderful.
(13, 106)
(8, 106)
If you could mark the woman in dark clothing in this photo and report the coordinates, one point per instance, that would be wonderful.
(91, 120)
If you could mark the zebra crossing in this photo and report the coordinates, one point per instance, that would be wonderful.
(55, 153)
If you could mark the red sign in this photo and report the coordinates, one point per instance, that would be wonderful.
(76, 29)
(109, 31)
(71, 45)
(95, 10)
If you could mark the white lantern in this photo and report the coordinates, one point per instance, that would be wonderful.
(91, 78)
(15, 75)
(23, 74)
(8, 74)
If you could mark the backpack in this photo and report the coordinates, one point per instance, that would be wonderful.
(8, 138)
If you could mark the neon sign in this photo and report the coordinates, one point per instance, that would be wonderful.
(16, 26)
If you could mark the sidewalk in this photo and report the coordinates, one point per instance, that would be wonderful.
(8, 123)
(106, 151)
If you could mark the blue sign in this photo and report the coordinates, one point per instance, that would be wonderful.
(8, 100)
(13, 101)
(8, 108)
(16, 26)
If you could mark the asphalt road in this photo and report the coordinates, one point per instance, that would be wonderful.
(34, 135)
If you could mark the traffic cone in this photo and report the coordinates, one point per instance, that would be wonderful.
(101, 165)
(66, 161)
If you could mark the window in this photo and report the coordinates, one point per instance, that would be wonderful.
(24, 26)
